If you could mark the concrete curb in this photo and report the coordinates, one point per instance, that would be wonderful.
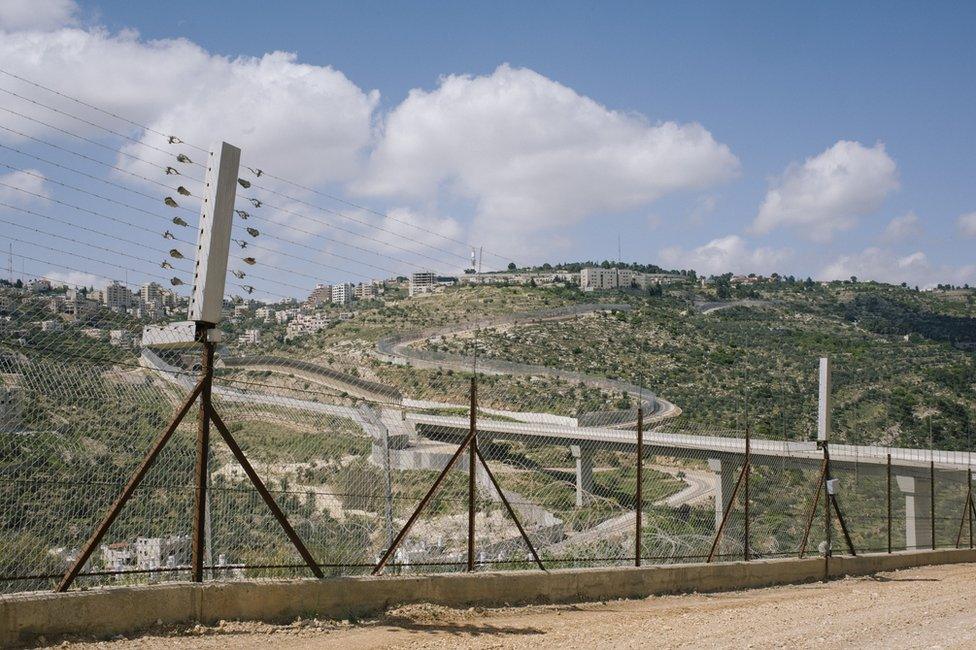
(109, 611)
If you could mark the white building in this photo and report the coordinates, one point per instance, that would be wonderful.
(284, 316)
(39, 285)
(51, 326)
(600, 279)
(365, 291)
(422, 282)
(156, 552)
(242, 310)
(78, 307)
(117, 556)
(251, 337)
(151, 294)
(342, 294)
(307, 324)
(321, 295)
(117, 297)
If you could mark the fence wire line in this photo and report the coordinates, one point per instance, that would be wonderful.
(350, 410)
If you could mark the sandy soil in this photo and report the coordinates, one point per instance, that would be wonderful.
(933, 607)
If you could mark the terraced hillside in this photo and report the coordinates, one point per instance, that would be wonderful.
(897, 371)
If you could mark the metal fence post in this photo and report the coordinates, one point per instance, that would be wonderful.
(888, 467)
(472, 452)
(826, 497)
(748, 471)
(639, 496)
(203, 451)
(932, 496)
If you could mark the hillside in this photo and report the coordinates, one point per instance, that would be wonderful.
(892, 347)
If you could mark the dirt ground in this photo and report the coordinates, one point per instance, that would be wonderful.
(932, 607)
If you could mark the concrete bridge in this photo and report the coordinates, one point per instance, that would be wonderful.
(724, 455)
(910, 467)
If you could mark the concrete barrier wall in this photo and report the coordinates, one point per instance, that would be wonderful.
(122, 610)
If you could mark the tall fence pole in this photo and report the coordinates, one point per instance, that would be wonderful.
(823, 437)
(888, 466)
(472, 453)
(203, 453)
(932, 496)
(826, 498)
(747, 469)
(969, 483)
(639, 496)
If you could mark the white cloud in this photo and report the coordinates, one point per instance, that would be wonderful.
(305, 122)
(903, 227)
(29, 180)
(730, 254)
(18, 15)
(967, 224)
(829, 191)
(534, 155)
(76, 279)
(887, 266)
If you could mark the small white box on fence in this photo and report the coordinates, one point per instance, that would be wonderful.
(171, 335)
(833, 486)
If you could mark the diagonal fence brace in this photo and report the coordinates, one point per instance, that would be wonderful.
(129, 489)
(263, 491)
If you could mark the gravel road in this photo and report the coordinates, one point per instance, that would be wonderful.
(932, 607)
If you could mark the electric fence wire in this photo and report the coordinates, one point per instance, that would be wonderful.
(188, 210)
(198, 181)
(175, 140)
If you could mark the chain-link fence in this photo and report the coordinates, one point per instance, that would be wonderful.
(348, 459)
(333, 432)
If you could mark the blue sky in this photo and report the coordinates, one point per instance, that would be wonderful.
(775, 84)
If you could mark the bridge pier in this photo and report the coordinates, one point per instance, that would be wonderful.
(584, 472)
(725, 478)
(918, 511)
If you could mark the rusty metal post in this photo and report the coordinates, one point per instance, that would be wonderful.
(748, 471)
(127, 491)
(932, 496)
(832, 501)
(511, 510)
(639, 491)
(965, 514)
(826, 496)
(420, 507)
(200, 472)
(889, 502)
(969, 480)
(725, 514)
(813, 510)
(472, 468)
